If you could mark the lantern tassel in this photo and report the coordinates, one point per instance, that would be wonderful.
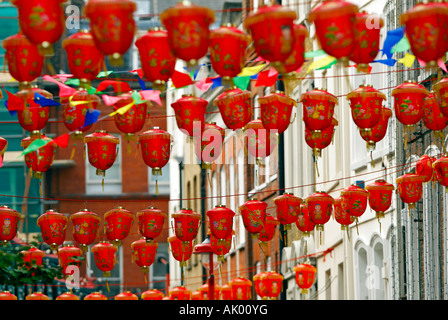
(209, 180)
(40, 188)
(157, 188)
(73, 152)
(371, 159)
(136, 150)
(129, 149)
(102, 184)
(348, 233)
(107, 285)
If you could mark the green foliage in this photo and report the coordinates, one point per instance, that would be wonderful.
(14, 272)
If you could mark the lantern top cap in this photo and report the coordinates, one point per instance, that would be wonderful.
(421, 10)
(269, 12)
(410, 86)
(331, 9)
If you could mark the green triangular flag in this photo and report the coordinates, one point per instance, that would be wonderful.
(241, 82)
(137, 97)
(35, 145)
(314, 54)
(73, 82)
(402, 45)
(103, 74)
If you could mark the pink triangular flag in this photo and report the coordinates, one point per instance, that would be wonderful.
(63, 77)
(442, 65)
(1, 161)
(109, 100)
(203, 85)
(423, 63)
(64, 90)
(151, 95)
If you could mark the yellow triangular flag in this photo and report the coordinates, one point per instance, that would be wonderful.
(408, 60)
(250, 71)
(123, 110)
(322, 62)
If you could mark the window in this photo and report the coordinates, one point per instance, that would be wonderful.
(159, 268)
(162, 182)
(112, 180)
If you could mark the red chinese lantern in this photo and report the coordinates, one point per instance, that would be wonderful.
(53, 226)
(197, 295)
(6, 295)
(188, 30)
(228, 47)
(32, 256)
(305, 276)
(425, 26)
(335, 27)
(320, 208)
(190, 114)
(260, 287)
(354, 201)
(67, 296)
(209, 145)
(304, 222)
(41, 21)
(25, 62)
(241, 288)
(186, 224)
(380, 196)
(296, 59)
(441, 171)
(181, 250)
(341, 216)
(102, 150)
(408, 103)
(221, 221)
(320, 142)
(156, 148)
(366, 40)
(150, 222)
(433, 118)
(157, 60)
(378, 132)
(276, 109)
(39, 161)
(180, 293)
(105, 257)
(424, 168)
(126, 295)
(112, 25)
(226, 292)
(144, 254)
(273, 282)
(267, 233)
(133, 120)
(272, 30)
(9, 222)
(85, 228)
(95, 296)
(152, 294)
(117, 224)
(318, 110)
(366, 104)
(33, 117)
(85, 60)
(235, 107)
(204, 289)
(441, 91)
(253, 213)
(69, 255)
(74, 111)
(288, 209)
(3, 146)
(410, 189)
(259, 141)
(37, 296)
(221, 247)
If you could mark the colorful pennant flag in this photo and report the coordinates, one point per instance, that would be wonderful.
(241, 82)
(392, 38)
(151, 95)
(44, 102)
(408, 60)
(35, 145)
(62, 141)
(91, 117)
(401, 46)
(181, 79)
(119, 86)
(14, 103)
(250, 71)
(109, 100)
(64, 90)
(267, 78)
(321, 63)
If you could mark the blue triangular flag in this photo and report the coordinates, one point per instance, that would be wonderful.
(392, 38)
(217, 82)
(91, 117)
(44, 102)
(11, 112)
(142, 83)
(389, 62)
